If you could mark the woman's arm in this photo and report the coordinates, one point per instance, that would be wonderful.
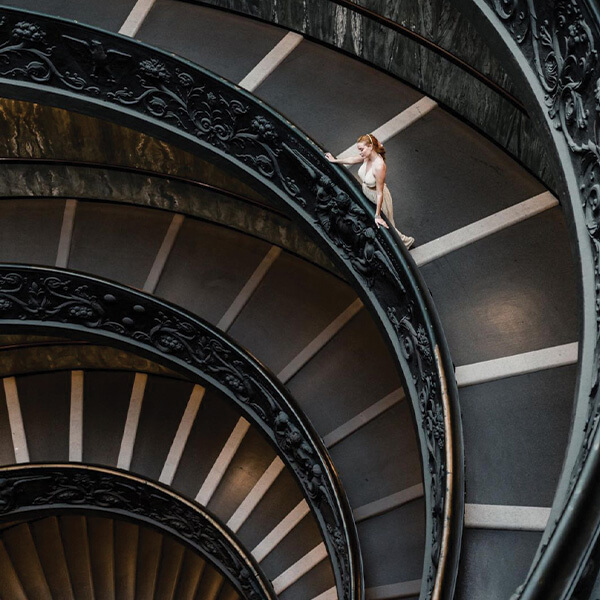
(351, 160)
(379, 172)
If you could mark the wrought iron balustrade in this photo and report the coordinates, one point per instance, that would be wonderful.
(35, 491)
(552, 47)
(61, 63)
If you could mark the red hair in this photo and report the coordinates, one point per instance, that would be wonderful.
(371, 140)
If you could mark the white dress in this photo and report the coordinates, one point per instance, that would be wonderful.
(369, 188)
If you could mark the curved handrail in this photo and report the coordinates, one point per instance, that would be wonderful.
(553, 47)
(62, 63)
(38, 489)
(38, 299)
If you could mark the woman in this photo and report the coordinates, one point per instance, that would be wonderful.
(372, 175)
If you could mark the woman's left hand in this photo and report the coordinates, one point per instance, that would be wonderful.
(380, 222)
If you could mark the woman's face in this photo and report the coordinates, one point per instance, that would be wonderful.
(364, 150)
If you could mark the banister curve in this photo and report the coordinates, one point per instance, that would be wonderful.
(552, 49)
(73, 304)
(54, 61)
(37, 490)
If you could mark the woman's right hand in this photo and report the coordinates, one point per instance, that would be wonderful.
(330, 157)
(380, 222)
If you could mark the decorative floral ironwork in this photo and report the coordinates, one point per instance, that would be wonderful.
(43, 296)
(192, 105)
(560, 40)
(56, 488)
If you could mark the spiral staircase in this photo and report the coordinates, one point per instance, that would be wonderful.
(91, 197)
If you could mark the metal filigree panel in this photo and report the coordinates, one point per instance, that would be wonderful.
(37, 298)
(66, 488)
(68, 65)
(559, 42)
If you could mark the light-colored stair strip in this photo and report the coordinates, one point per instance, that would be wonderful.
(162, 255)
(404, 589)
(271, 61)
(249, 288)
(66, 234)
(319, 342)
(519, 518)
(132, 421)
(48, 541)
(330, 594)
(15, 420)
(223, 461)
(337, 435)
(388, 503)
(396, 124)
(363, 418)
(270, 541)
(74, 534)
(76, 417)
(299, 568)
(24, 556)
(136, 17)
(10, 584)
(517, 364)
(181, 436)
(256, 494)
(483, 228)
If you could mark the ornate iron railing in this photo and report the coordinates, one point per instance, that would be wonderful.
(39, 490)
(35, 299)
(553, 47)
(61, 63)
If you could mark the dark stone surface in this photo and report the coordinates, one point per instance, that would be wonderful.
(99, 184)
(106, 401)
(36, 243)
(163, 406)
(117, 242)
(511, 292)
(336, 104)
(60, 357)
(45, 401)
(292, 305)
(357, 349)
(380, 459)
(393, 545)
(224, 43)
(108, 14)
(214, 423)
(494, 563)
(523, 468)
(37, 131)
(207, 268)
(443, 176)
